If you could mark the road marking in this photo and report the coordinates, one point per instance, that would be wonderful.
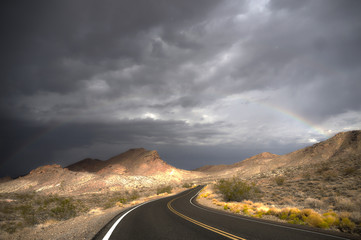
(109, 233)
(213, 229)
(266, 223)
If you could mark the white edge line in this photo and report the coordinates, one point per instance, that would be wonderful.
(109, 233)
(251, 220)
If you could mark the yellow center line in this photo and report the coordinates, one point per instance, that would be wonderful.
(213, 229)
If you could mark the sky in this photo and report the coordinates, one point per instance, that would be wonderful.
(202, 82)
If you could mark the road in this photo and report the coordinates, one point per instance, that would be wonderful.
(179, 217)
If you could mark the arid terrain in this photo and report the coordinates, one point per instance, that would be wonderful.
(325, 177)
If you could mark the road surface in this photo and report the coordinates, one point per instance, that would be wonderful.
(179, 217)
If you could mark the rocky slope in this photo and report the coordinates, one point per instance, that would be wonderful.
(135, 169)
(342, 146)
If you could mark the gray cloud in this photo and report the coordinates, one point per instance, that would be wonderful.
(175, 75)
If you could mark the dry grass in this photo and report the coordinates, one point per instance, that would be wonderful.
(345, 217)
(315, 203)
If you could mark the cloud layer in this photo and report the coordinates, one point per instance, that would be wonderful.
(202, 82)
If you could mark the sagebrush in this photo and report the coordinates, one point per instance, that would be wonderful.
(237, 190)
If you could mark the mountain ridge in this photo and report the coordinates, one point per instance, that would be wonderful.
(339, 146)
(136, 161)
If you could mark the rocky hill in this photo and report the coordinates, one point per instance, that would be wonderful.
(134, 169)
(343, 145)
(137, 161)
(140, 168)
(257, 160)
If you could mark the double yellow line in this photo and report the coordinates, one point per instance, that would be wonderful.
(213, 229)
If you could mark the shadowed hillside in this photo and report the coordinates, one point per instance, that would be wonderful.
(137, 161)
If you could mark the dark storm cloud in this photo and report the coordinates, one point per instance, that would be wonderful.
(83, 77)
(43, 144)
(39, 36)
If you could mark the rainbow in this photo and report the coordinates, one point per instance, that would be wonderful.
(297, 118)
(284, 112)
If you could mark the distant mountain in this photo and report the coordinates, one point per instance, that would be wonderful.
(140, 168)
(343, 145)
(137, 161)
(133, 169)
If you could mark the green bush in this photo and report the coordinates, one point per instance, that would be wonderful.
(164, 189)
(65, 209)
(237, 190)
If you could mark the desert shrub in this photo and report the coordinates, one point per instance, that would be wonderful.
(164, 189)
(237, 190)
(65, 209)
(259, 214)
(329, 175)
(118, 199)
(306, 175)
(279, 180)
(331, 218)
(307, 212)
(11, 227)
(205, 195)
(344, 204)
(323, 168)
(132, 196)
(356, 216)
(32, 208)
(187, 185)
(315, 220)
(273, 211)
(246, 209)
(25, 196)
(109, 204)
(27, 212)
(346, 225)
(6, 208)
(314, 203)
(284, 214)
(349, 170)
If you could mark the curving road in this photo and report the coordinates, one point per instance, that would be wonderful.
(179, 217)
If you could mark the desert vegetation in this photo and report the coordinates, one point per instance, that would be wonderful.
(187, 185)
(164, 189)
(328, 219)
(237, 190)
(21, 210)
(279, 180)
(28, 209)
(322, 195)
(119, 199)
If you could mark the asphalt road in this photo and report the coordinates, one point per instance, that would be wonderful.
(178, 217)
